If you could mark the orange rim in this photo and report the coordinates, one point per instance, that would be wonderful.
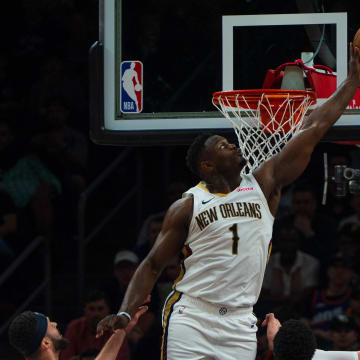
(251, 97)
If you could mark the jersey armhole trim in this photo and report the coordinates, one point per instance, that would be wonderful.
(262, 196)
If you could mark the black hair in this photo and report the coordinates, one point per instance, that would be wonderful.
(194, 151)
(286, 225)
(95, 295)
(305, 186)
(294, 341)
(22, 330)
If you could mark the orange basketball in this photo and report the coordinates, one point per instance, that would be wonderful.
(356, 41)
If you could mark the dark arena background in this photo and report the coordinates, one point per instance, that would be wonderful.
(86, 177)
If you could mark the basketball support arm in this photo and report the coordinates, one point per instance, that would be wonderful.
(289, 164)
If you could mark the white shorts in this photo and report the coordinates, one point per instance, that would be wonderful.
(335, 355)
(197, 330)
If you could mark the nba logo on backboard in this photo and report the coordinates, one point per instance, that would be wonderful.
(131, 94)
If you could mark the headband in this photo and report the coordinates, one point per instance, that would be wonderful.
(41, 326)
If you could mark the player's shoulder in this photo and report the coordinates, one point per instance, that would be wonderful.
(185, 203)
(180, 211)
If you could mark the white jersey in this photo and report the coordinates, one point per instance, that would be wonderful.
(227, 246)
(335, 355)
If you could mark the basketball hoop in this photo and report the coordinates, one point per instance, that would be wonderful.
(264, 120)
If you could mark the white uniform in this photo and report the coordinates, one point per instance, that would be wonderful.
(225, 257)
(335, 355)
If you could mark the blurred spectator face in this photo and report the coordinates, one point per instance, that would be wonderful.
(339, 273)
(289, 243)
(304, 203)
(344, 338)
(153, 231)
(123, 272)
(6, 136)
(348, 246)
(94, 312)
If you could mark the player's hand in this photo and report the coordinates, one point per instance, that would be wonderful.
(273, 326)
(110, 323)
(354, 63)
(142, 310)
(113, 322)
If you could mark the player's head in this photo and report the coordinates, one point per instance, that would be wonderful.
(32, 333)
(294, 341)
(210, 155)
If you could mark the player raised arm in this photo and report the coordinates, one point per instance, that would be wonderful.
(168, 244)
(288, 165)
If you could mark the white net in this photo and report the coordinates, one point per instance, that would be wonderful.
(262, 129)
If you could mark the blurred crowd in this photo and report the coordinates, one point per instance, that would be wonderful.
(313, 271)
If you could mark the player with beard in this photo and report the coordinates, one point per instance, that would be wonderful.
(37, 338)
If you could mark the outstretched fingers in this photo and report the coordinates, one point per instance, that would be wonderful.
(269, 317)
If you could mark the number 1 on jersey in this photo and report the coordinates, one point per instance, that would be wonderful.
(235, 238)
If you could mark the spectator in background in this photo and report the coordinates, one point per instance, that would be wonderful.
(355, 217)
(124, 266)
(81, 332)
(153, 230)
(318, 230)
(348, 241)
(64, 151)
(56, 82)
(333, 299)
(344, 334)
(291, 275)
(353, 312)
(30, 184)
(174, 192)
(147, 332)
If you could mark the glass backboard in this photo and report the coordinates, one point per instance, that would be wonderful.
(177, 54)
